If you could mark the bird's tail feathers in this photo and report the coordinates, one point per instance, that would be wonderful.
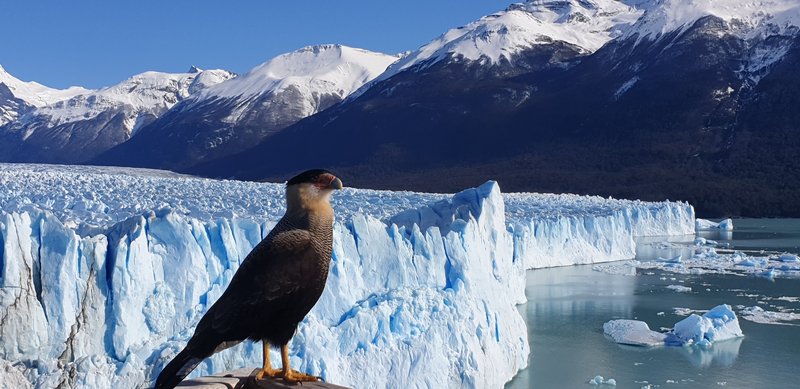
(177, 369)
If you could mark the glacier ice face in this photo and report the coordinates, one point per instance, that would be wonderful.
(114, 302)
(574, 229)
(106, 283)
(12, 377)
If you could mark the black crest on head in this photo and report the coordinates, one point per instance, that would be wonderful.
(308, 176)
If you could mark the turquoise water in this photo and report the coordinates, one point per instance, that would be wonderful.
(567, 307)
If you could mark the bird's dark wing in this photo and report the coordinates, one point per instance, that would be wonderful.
(271, 272)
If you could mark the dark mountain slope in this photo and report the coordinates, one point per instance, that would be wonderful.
(677, 116)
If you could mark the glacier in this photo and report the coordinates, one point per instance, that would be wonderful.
(105, 271)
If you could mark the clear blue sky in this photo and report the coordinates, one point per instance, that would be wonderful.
(96, 43)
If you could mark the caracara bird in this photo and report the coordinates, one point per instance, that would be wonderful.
(275, 287)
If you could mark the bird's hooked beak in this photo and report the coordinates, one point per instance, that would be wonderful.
(336, 183)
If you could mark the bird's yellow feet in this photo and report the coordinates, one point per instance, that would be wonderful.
(268, 373)
(295, 376)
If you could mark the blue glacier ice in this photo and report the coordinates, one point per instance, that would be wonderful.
(718, 324)
(104, 272)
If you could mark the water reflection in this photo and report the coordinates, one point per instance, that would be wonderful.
(722, 354)
(718, 235)
(568, 306)
(560, 292)
(650, 248)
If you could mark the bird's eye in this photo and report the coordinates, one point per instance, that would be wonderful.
(323, 181)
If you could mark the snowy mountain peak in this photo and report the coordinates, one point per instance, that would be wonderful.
(34, 93)
(148, 93)
(331, 69)
(194, 69)
(746, 18)
(586, 24)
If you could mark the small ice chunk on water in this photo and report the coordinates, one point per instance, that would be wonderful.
(706, 225)
(789, 258)
(757, 314)
(675, 259)
(700, 241)
(680, 288)
(633, 332)
(753, 262)
(685, 311)
(598, 381)
(769, 273)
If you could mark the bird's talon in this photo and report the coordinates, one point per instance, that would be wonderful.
(297, 377)
(271, 373)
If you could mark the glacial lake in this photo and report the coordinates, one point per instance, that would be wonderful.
(567, 307)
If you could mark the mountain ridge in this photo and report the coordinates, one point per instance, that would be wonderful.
(232, 116)
(629, 98)
(668, 109)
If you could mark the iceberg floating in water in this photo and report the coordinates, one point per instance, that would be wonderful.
(708, 225)
(633, 332)
(718, 324)
(104, 272)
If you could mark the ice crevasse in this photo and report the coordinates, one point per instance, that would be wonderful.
(431, 289)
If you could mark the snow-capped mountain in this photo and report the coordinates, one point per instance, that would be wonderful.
(17, 95)
(665, 99)
(583, 24)
(315, 71)
(236, 114)
(453, 81)
(703, 85)
(747, 19)
(75, 124)
(37, 94)
(141, 97)
(759, 24)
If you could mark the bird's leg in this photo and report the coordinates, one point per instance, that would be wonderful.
(267, 370)
(290, 375)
